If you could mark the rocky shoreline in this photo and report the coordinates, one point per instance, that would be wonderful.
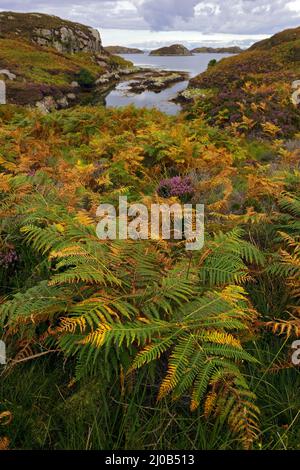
(155, 80)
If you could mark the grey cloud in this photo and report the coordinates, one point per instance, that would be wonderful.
(162, 15)
(225, 16)
(98, 13)
(210, 16)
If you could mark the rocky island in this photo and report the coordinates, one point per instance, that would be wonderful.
(123, 50)
(174, 50)
(217, 50)
(155, 80)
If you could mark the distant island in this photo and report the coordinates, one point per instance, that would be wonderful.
(180, 50)
(123, 50)
(217, 50)
(175, 49)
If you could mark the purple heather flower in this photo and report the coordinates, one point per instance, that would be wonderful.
(9, 258)
(176, 186)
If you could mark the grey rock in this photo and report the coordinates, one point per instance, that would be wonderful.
(9, 74)
(102, 80)
(69, 40)
(46, 105)
(62, 102)
(101, 63)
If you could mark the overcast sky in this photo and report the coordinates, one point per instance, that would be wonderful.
(148, 23)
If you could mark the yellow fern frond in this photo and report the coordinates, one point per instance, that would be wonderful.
(168, 384)
(71, 324)
(4, 443)
(85, 219)
(222, 338)
(97, 337)
(209, 403)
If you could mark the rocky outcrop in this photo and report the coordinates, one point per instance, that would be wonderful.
(175, 49)
(68, 40)
(123, 50)
(51, 31)
(155, 81)
(217, 50)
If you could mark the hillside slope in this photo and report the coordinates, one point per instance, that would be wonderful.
(252, 92)
(280, 38)
(50, 62)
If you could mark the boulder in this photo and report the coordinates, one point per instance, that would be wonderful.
(9, 74)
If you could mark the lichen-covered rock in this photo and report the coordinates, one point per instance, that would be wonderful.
(46, 105)
(67, 39)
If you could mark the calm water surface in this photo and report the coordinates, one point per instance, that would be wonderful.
(194, 65)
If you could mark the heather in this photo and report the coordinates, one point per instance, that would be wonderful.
(176, 186)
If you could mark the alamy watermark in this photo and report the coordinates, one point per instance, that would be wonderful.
(2, 353)
(2, 92)
(296, 94)
(161, 221)
(296, 353)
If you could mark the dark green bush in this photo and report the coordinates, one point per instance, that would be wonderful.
(212, 62)
(85, 79)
